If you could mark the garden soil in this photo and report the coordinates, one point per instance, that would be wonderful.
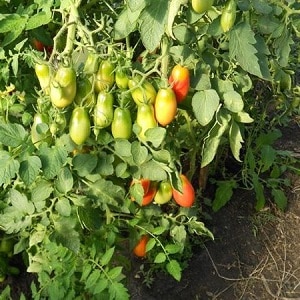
(255, 255)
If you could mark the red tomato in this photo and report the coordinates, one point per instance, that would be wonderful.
(150, 189)
(187, 197)
(140, 248)
(180, 82)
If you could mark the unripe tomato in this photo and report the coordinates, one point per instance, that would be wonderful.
(186, 198)
(63, 87)
(40, 130)
(7, 245)
(228, 15)
(145, 93)
(91, 64)
(104, 110)
(121, 126)
(105, 77)
(179, 80)
(164, 192)
(121, 79)
(80, 125)
(85, 93)
(165, 106)
(42, 72)
(145, 119)
(140, 248)
(201, 6)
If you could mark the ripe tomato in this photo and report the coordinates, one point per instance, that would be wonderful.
(80, 125)
(63, 87)
(142, 94)
(187, 197)
(164, 192)
(121, 126)
(149, 188)
(145, 119)
(165, 106)
(228, 15)
(42, 72)
(140, 248)
(104, 110)
(201, 6)
(40, 130)
(180, 82)
(121, 79)
(105, 77)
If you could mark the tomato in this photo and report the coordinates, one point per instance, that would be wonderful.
(39, 130)
(91, 64)
(85, 93)
(121, 79)
(149, 188)
(105, 77)
(6, 245)
(80, 125)
(201, 6)
(165, 106)
(228, 15)
(63, 87)
(121, 126)
(186, 198)
(140, 247)
(164, 192)
(180, 82)
(104, 110)
(145, 119)
(42, 72)
(145, 93)
(40, 46)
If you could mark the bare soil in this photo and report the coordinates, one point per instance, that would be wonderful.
(255, 255)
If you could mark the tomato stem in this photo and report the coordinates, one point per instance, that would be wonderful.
(165, 58)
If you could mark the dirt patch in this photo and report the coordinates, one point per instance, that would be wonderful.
(255, 255)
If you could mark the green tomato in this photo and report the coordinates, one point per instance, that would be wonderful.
(104, 110)
(121, 126)
(40, 130)
(105, 77)
(201, 6)
(145, 93)
(145, 119)
(7, 245)
(42, 72)
(84, 93)
(91, 64)
(80, 125)
(228, 15)
(121, 79)
(164, 192)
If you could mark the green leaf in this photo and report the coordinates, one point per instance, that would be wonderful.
(107, 256)
(282, 47)
(233, 101)
(162, 156)
(152, 27)
(179, 234)
(243, 117)
(117, 291)
(64, 181)
(156, 135)
(150, 244)
(89, 217)
(205, 104)
(63, 207)
(158, 230)
(268, 138)
(259, 192)
(235, 140)
(174, 269)
(223, 194)
(41, 192)
(139, 153)
(9, 167)
(242, 47)
(280, 198)
(20, 202)
(12, 135)
(84, 164)
(174, 8)
(39, 19)
(153, 171)
(137, 4)
(268, 156)
(29, 169)
(105, 164)
(53, 160)
(92, 279)
(101, 285)
(160, 258)
(173, 248)
(115, 272)
(123, 148)
(200, 81)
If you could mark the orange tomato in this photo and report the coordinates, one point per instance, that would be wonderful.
(140, 248)
(186, 198)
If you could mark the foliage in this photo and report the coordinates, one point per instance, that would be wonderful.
(67, 198)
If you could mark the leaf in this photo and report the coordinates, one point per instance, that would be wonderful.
(242, 47)
(158, 230)
(233, 101)
(29, 169)
(105, 164)
(63, 207)
(150, 244)
(52, 160)
(280, 198)
(156, 135)
(137, 4)
(84, 164)
(107, 256)
(268, 156)
(123, 148)
(174, 7)
(235, 140)
(115, 272)
(153, 171)
(92, 279)
(243, 117)
(282, 47)
(152, 26)
(40, 192)
(20, 202)
(268, 138)
(12, 135)
(117, 291)
(160, 258)
(9, 167)
(174, 269)
(39, 19)
(205, 103)
(101, 285)
(173, 248)
(139, 153)
(259, 192)
(223, 194)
